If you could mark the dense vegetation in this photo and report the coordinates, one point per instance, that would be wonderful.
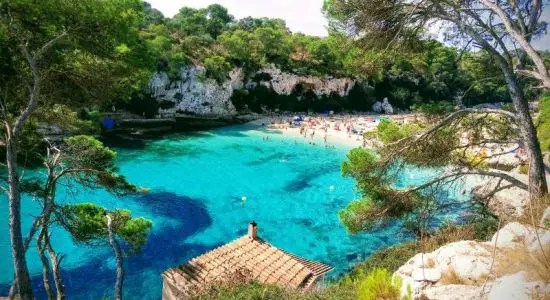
(213, 38)
(58, 57)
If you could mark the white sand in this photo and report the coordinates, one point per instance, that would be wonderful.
(345, 130)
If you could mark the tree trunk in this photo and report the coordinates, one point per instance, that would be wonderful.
(56, 261)
(44, 234)
(28, 239)
(538, 186)
(45, 266)
(17, 248)
(118, 257)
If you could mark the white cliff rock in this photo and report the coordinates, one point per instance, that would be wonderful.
(427, 275)
(192, 93)
(284, 83)
(518, 235)
(470, 261)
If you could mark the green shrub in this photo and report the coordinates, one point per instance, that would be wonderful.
(434, 108)
(388, 131)
(378, 285)
(257, 291)
(509, 107)
(389, 258)
(217, 68)
(252, 290)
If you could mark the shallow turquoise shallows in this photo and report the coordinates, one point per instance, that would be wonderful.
(196, 187)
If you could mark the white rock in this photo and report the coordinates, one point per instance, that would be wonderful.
(194, 94)
(377, 107)
(516, 287)
(452, 292)
(518, 235)
(510, 235)
(426, 274)
(471, 268)
(284, 83)
(509, 203)
(386, 106)
(471, 262)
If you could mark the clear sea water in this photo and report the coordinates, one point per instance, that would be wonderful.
(196, 183)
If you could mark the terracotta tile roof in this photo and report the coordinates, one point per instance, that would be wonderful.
(250, 257)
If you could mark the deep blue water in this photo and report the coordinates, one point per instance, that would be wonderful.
(196, 183)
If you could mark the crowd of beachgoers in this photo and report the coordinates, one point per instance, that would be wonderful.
(328, 130)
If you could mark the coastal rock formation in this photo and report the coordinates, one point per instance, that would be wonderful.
(464, 262)
(377, 107)
(193, 93)
(284, 83)
(467, 269)
(386, 106)
(515, 235)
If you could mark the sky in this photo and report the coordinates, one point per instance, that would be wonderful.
(300, 15)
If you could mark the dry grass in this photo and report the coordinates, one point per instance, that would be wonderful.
(539, 295)
(535, 210)
(450, 277)
(511, 261)
(429, 263)
(446, 236)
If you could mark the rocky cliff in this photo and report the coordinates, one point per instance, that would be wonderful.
(193, 93)
(509, 266)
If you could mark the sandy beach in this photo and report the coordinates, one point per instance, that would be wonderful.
(348, 131)
(328, 130)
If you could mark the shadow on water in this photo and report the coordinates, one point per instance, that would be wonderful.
(165, 248)
(165, 152)
(304, 178)
(241, 148)
(279, 156)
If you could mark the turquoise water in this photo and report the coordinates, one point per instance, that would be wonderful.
(196, 184)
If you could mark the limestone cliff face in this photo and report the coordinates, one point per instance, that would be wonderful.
(193, 93)
(284, 83)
